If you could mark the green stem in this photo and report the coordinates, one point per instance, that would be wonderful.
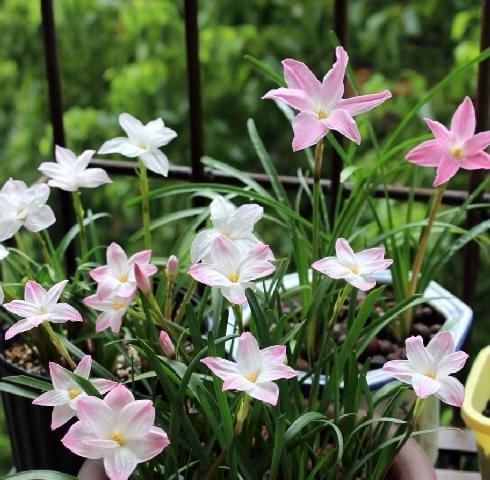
(44, 249)
(79, 212)
(58, 344)
(317, 174)
(419, 256)
(167, 309)
(145, 204)
(185, 301)
(238, 312)
(25, 258)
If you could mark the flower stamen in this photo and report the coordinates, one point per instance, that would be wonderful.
(322, 114)
(118, 437)
(74, 393)
(457, 152)
(233, 277)
(251, 377)
(123, 278)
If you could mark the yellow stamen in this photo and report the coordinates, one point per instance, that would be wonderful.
(354, 269)
(74, 392)
(430, 374)
(457, 152)
(233, 277)
(123, 278)
(322, 114)
(251, 377)
(117, 306)
(142, 145)
(117, 437)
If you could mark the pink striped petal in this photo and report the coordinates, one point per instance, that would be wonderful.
(273, 355)
(99, 273)
(295, 98)
(361, 282)
(120, 464)
(333, 80)
(299, 76)
(62, 312)
(137, 418)
(84, 367)
(248, 354)
(476, 161)
(61, 414)
(451, 363)
(238, 382)
(252, 269)
(96, 415)
(447, 168)
(370, 254)
(345, 254)
(441, 345)
(477, 143)
(34, 293)
(21, 308)
(441, 133)
(267, 392)
(225, 255)
(52, 398)
(400, 369)
(59, 377)
(451, 391)
(276, 372)
(142, 257)
(221, 367)
(308, 130)
(235, 293)
(424, 386)
(330, 266)
(463, 122)
(119, 397)
(103, 385)
(342, 122)
(117, 259)
(363, 103)
(150, 446)
(55, 292)
(208, 274)
(417, 354)
(19, 327)
(77, 440)
(427, 154)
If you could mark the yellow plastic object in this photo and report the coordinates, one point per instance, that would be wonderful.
(476, 397)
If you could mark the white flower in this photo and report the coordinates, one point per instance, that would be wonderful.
(143, 141)
(70, 172)
(22, 206)
(235, 223)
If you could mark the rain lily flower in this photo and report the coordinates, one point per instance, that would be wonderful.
(428, 368)
(23, 206)
(40, 306)
(143, 141)
(254, 371)
(118, 275)
(230, 221)
(66, 392)
(320, 104)
(70, 172)
(355, 268)
(167, 345)
(118, 429)
(458, 147)
(231, 271)
(113, 307)
(172, 267)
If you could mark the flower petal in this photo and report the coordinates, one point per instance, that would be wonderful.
(19, 327)
(119, 397)
(41, 219)
(61, 414)
(446, 170)
(222, 368)
(342, 122)
(417, 355)
(440, 132)
(267, 392)
(308, 130)
(363, 103)
(452, 363)
(150, 445)
(274, 355)
(235, 293)
(201, 245)
(131, 125)
(120, 464)
(463, 122)
(76, 440)
(93, 178)
(208, 274)
(137, 418)
(54, 293)
(242, 221)
(121, 145)
(293, 97)
(62, 312)
(225, 256)
(156, 161)
(59, 377)
(400, 369)
(441, 345)
(477, 143)
(276, 372)
(96, 415)
(299, 76)
(362, 282)
(333, 81)
(52, 398)
(248, 355)
(427, 154)
(332, 267)
(84, 366)
(34, 293)
(424, 386)
(476, 161)
(451, 391)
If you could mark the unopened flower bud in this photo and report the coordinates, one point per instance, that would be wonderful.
(142, 280)
(167, 344)
(172, 267)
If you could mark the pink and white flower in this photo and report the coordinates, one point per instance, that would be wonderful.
(458, 147)
(254, 371)
(24, 207)
(70, 173)
(235, 223)
(355, 268)
(118, 276)
(113, 307)
(118, 429)
(40, 306)
(142, 141)
(231, 271)
(167, 345)
(66, 392)
(320, 104)
(428, 369)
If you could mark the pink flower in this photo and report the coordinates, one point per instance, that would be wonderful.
(453, 149)
(113, 307)
(172, 267)
(70, 173)
(428, 368)
(232, 222)
(40, 306)
(320, 104)
(118, 275)
(355, 268)
(167, 345)
(231, 271)
(119, 429)
(255, 370)
(66, 392)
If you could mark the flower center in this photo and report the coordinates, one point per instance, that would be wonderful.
(21, 212)
(74, 392)
(457, 152)
(322, 114)
(118, 437)
(430, 374)
(117, 306)
(251, 377)
(354, 269)
(233, 277)
(122, 277)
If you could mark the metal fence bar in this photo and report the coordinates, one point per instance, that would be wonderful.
(471, 254)
(56, 114)
(194, 88)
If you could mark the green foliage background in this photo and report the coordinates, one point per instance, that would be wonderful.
(128, 55)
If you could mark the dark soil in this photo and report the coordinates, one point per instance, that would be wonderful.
(486, 410)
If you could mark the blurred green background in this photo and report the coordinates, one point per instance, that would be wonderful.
(128, 55)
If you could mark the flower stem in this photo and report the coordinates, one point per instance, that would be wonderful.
(145, 204)
(167, 309)
(44, 249)
(419, 256)
(79, 212)
(316, 204)
(22, 249)
(238, 312)
(58, 345)
(185, 301)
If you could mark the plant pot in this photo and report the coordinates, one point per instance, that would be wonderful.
(411, 463)
(476, 398)
(34, 444)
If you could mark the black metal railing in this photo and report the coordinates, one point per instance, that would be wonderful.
(196, 171)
